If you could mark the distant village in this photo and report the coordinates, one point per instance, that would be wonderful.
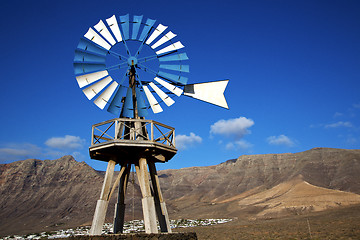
(134, 226)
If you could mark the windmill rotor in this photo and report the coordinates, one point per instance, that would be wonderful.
(131, 64)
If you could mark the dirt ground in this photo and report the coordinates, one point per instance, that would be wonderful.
(343, 223)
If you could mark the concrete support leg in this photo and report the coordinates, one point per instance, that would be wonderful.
(148, 203)
(119, 215)
(149, 215)
(102, 203)
(161, 210)
(99, 217)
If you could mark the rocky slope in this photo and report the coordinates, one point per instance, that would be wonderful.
(44, 195)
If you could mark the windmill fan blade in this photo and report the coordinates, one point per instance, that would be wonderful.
(168, 101)
(115, 104)
(94, 89)
(86, 79)
(172, 47)
(93, 36)
(180, 68)
(104, 97)
(102, 29)
(80, 68)
(89, 46)
(159, 29)
(142, 109)
(164, 39)
(155, 106)
(124, 22)
(82, 56)
(173, 57)
(211, 92)
(114, 27)
(128, 105)
(149, 23)
(177, 91)
(172, 77)
(136, 26)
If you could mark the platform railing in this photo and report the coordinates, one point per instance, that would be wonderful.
(125, 129)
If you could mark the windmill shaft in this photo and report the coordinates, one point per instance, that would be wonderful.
(132, 85)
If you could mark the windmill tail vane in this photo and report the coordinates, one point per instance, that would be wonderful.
(130, 65)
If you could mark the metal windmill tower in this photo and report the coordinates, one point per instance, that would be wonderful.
(128, 69)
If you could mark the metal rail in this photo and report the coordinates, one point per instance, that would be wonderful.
(126, 129)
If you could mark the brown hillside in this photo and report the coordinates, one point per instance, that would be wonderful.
(297, 196)
(336, 169)
(44, 195)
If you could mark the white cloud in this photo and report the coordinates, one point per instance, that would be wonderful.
(338, 114)
(351, 140)
(20, 151)
(356, 105)
(235, 127)
(57, 147)
(67, 142)
(280, 140)
(241, 144)
(339, 124)
(184, 141)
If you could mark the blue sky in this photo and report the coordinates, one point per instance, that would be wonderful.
(294, 70)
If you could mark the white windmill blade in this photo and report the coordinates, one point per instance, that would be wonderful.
(104, 97)
(102, 29)
(93, 36)
(155, 106)
(114, 26)
(168, 101)
(159, 29)
(86, 79)
(172, 47)
(164, 39)
(94, 89)
(211, 92)
(175, 90)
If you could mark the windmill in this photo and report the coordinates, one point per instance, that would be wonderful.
(130, 65)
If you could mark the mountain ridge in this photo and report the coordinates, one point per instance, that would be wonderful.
(45, 195)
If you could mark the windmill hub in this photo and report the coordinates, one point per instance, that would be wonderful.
(132, 61)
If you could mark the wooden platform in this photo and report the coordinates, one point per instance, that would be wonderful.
(129, 139)
(131, 149)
